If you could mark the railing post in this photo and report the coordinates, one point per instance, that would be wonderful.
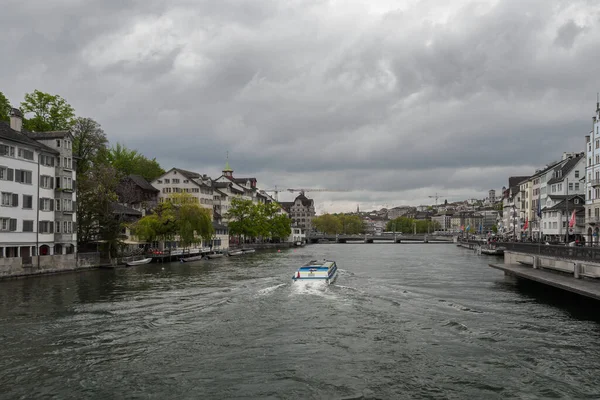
(536, 261)
(576, 270)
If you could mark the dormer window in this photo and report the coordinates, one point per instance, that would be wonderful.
(576, 201)
(58, 143)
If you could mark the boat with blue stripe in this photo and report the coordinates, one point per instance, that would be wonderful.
(317, 270)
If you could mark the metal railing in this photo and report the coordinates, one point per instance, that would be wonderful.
(583, 253)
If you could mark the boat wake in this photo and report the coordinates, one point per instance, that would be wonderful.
(311, 287)
(269, 290)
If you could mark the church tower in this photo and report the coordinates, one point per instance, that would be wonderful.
(227, 172)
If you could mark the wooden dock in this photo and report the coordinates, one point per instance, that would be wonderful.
(582, 287)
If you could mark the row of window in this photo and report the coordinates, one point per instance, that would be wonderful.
(26, 154)
(181, 190)
(174, 180)
(9, 151)
(8, 199)
(24, 176)
(11, 225)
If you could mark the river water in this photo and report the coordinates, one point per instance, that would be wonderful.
(402, 321)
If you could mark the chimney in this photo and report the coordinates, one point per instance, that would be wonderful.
(16, 119)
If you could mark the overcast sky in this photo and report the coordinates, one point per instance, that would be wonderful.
(392, 101)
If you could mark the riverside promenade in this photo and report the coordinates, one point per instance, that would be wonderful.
(574, 269)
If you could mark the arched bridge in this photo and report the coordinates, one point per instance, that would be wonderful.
(390, 238)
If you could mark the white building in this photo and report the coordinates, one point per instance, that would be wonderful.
(513, 201)
(556, 218)
(29, 174)
(178, 180)
(592, 184)
(444, 221)
(297, 235)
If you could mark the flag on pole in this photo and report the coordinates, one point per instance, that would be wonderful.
(468, 227)
(539, 210)
(572, 220)
(526, 224)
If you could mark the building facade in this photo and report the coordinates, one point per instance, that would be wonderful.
(301, 211)
(178, 180)
(37, 216)
(592, 184)
(62, 190)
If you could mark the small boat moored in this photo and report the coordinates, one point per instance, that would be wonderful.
(139, 262)
(235, 253)
(214, 255)
(248, 251)
(193, 258)
(324, 270)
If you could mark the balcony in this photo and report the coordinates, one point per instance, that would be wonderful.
(594, 182)
(592, 220)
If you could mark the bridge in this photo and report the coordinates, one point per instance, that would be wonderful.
(390, 238)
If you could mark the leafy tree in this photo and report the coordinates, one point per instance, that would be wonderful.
(181, 217)
(327, 223)
(495, 229)
(5, 108)
(409, 225)
(193, 222)
(89, 141)
(275, 224)
(241, 214)
(158, 226)
(50, 112)
(128, 162)
(95, 217)
(257, 220)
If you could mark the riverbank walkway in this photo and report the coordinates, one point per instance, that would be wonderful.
(582, 287)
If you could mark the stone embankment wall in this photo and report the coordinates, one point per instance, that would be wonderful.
(13, 267)
(263, 246)
(585, 269)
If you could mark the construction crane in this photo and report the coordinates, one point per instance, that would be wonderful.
(316, 190)
(275, 191)
(436, 197)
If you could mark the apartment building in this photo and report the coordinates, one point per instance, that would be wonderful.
(592, 184)
(177, 180)
(34, 170)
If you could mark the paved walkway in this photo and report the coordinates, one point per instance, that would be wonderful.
(580, 286)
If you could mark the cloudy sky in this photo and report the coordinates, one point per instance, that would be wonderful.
(390, 101)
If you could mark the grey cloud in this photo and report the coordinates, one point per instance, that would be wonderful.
(304, 93)
(566, 35)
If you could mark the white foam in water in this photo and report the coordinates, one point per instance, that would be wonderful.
(311, 287)
(269, 290)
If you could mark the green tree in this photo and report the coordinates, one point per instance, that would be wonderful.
(161, 225)
(89, 142)
(409, 225)
(262, 220)
(49, 112)
(5, 108)
(328, 223)
(495, 229)
(276, 225)
(96, 219)
(192, 222)
(128, 162)
(241, 213)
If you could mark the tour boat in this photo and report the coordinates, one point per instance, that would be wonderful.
(324, 270)
(235, 253)
(139, 262)
(248, 251)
